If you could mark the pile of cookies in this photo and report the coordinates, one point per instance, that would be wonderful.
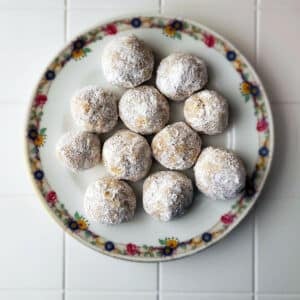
(145, 110)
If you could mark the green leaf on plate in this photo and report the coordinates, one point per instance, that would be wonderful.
(178, 35)
(161, 23)
(43, 131)
(87, 50)
(77, 215)
(162, 242)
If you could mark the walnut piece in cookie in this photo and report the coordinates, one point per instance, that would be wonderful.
(144, 109)
(206, 112)
(127, 61)
(94, 109)
(109, 201)
(179, 75)
(220, 174)
(167, 194)
(177, 146)
(127, 155)
(79, 150)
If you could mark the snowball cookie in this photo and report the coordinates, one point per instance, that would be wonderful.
(127, 155)
(179, 75)
(127, 61)
(144, 109)
(109, 201)
(177, 146)
(220, 174)
(79, 150)
(206, 112)
(167, 194)
(94, 109)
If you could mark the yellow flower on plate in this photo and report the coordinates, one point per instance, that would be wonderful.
(245, 88)
(238, 64)
(196, 242)
(78, 54)
(82, 224)
(169, 31)
(261, 163)
(172, 243)
(99, 241)
(40, 140)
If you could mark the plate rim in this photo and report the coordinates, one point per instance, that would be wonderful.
(134, 258)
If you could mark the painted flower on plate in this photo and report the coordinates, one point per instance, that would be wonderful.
(111, 29)
(167, 251)
(227, 218)
(206, 237)
(109, 246)
(40, 99)
(262, 125)
(209, 40)
(131, 249)
(51, 197)
(136, 22)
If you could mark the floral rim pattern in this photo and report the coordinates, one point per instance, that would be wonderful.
(169, 247)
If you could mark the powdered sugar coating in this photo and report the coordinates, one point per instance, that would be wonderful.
(109, 201)
(167, 194)
(207, 112)
(79, 150)
(179, 75)
(127, 61)
(220, 174)
(176, 146)
(144, 109)
(127, 155)
(94, 109)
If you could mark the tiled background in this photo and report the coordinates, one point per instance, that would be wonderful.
(260, 260)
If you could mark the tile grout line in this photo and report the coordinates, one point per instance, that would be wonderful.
(158, 281)
(160, 6)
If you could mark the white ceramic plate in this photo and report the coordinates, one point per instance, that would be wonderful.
(250, 134)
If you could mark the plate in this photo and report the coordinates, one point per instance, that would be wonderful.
(250, 134)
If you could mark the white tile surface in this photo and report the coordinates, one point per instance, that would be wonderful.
(206, 296)
(31, 4)
(109, 296)
(31, 252)
(133, 4)
(225, 267)
(31, 295)
(30, 38)
(233, 19)
(87, 269)
(278, 248)
(277, 297)
(12, 160)
(278, 49)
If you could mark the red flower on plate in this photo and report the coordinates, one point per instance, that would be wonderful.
(51, 197)
(40, 99)
(131, 249)
(111, 29)
(209, 40)
(262, 125)
(227, 218)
